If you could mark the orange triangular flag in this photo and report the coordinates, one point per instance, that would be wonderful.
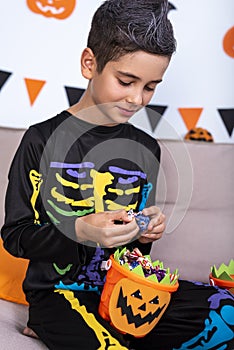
(34, 87)
(190, 116)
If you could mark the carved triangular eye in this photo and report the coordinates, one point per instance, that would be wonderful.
(154, 301)
(137, 294)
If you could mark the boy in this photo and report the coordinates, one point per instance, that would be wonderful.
(75, 176)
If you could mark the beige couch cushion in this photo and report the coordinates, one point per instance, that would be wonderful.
(196, 191)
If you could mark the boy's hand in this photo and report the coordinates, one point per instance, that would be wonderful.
(102, 228)
(156, 225)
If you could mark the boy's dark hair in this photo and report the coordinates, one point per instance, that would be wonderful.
(125, 26)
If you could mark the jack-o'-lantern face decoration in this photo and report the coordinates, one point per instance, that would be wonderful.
(59, 9)
(136, 308)
(199, 134)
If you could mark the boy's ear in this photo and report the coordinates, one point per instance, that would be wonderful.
(88, 63)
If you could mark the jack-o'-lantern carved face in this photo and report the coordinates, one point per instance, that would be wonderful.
(199, 134)
(59, 9)
(136, 308)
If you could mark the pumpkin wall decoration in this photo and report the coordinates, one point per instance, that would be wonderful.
(132, 302)
(199, 134)
(59, 9)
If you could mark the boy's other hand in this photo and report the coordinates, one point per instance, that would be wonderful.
(156, 225)
(105, 228)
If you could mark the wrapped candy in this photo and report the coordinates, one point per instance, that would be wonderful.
(141, 219)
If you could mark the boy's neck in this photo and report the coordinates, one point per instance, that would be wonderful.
(86, 110)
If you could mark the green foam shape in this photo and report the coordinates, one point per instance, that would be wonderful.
(161, 265)
(214, 271)
(126, 266)
(116, 255)
(231, 267)
(223, 267)
(166, 280)
(148, 257)
(175, 272)
(122, 251)
(152, 278)
(224, 271)
(175, 280)
(139, 271)
(225, 276)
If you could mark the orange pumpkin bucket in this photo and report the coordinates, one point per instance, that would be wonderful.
(223, 276)
(229, 285)
(132, 303)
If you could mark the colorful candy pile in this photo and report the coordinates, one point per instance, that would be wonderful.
(142, 265)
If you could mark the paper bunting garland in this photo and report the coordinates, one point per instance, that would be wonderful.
(73, 94)
(154, 114)
(227, 116)
(190, 116)
(4, 76)
(33, 87)
(171, 6)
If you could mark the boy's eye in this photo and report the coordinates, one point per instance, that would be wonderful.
(148, 88)
(124, 83)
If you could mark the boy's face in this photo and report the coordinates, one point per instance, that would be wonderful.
(126, 85)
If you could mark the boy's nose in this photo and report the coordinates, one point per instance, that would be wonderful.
(135, 98)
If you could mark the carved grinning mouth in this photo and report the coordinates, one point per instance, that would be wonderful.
(50, 9)
(136, 319)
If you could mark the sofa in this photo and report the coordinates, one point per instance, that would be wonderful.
(13, 307)
(195, 191)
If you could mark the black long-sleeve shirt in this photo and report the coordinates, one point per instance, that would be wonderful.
(65, 168)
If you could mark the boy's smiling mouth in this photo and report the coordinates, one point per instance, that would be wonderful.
(127, 112)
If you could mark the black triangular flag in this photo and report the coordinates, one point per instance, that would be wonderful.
(154, 114)
(3, 77)
(73, 94)
(171, 6)
(227, 116)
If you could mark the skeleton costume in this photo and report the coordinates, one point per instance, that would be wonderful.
(63, 169)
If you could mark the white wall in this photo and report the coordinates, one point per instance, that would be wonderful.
(38, 47)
